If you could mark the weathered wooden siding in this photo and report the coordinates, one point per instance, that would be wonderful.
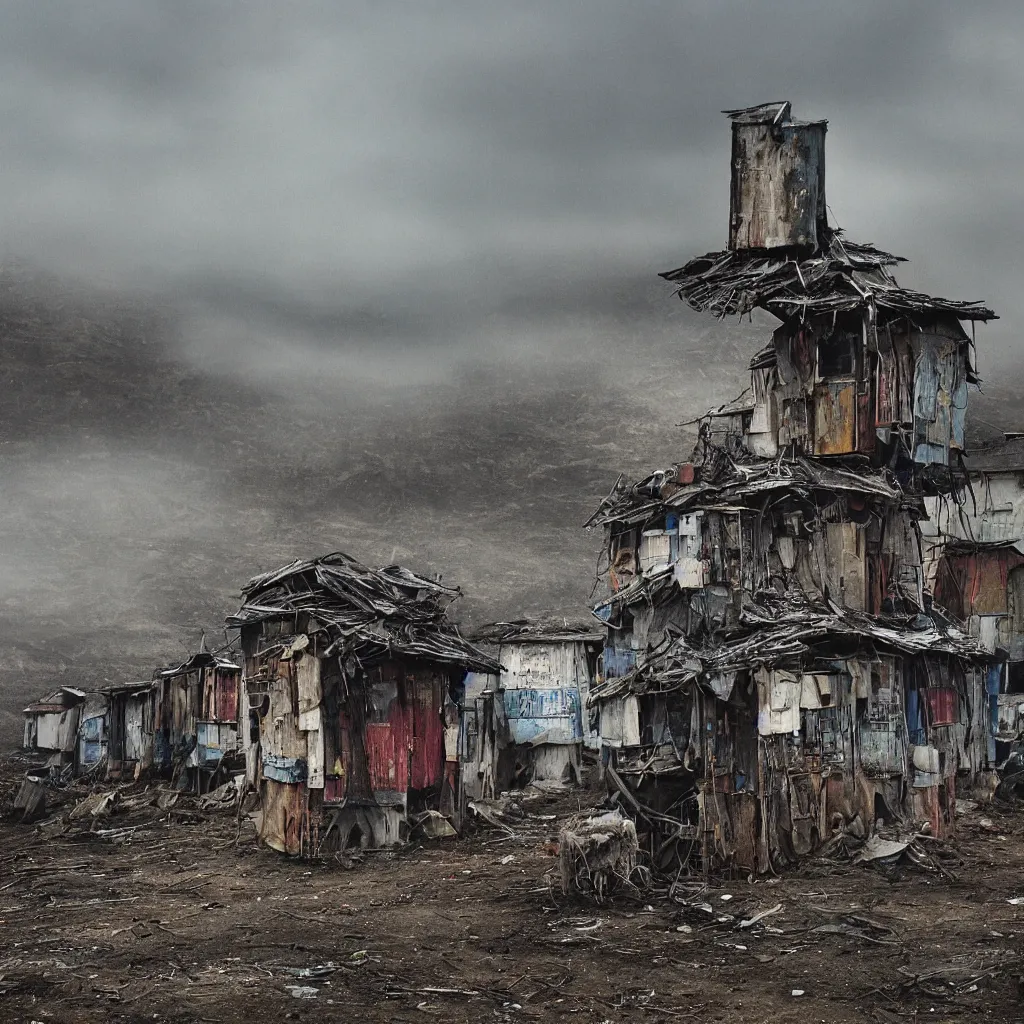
(778, 185)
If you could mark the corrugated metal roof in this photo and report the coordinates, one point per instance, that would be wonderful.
(371, 613)
(1007, 457)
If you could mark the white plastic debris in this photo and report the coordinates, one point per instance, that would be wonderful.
(303, 991)
(760, 916)
(797, 992)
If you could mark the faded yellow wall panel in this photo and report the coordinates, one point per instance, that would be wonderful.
(835, 418)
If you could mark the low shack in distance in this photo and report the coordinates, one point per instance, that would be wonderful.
(547, 671)
(51, 725)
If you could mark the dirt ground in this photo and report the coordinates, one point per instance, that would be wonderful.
(163, 914)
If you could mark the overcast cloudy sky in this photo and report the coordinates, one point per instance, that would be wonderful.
(382, 276)
(392, 171)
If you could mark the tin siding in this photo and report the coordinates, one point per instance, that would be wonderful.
(386, 754)
(226, 688)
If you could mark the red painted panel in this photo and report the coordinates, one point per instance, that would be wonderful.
(381, 756)
(227, 696)
(942, 706)
(424, 697)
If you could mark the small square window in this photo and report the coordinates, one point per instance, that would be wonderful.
(836, 355)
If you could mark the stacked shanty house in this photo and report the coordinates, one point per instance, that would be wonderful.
(774, 672)
(352, 679)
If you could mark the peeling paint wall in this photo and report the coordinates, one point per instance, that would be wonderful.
(543, 688)
(342, 758)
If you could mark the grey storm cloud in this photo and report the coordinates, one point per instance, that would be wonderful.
(382, 170)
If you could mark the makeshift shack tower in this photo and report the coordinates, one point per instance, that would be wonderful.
(774, 674)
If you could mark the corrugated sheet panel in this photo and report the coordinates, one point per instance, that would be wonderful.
(226, 688)
(942, 705)
(386, 754)
(428, 753)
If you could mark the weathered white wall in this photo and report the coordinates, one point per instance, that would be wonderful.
(999, 515)
(556, 675)
(54, 730)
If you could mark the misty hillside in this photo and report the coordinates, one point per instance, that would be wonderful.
(143, 484)
(142, 488)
